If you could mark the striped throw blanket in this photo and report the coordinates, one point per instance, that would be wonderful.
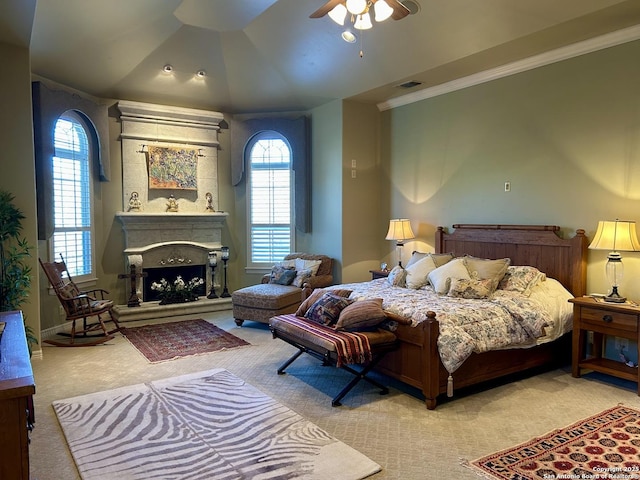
(350, 347)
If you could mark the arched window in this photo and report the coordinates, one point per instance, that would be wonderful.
(270, 195)
(72, 198)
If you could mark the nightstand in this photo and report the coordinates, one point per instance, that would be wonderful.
(379, 274)
(603, 318)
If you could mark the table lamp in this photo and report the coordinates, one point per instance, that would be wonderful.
(617, 236)
(399, 230)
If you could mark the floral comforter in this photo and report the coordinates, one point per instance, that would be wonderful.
(507, 319)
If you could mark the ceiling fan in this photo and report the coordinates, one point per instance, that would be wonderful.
(383, 9)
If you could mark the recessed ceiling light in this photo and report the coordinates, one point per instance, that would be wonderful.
(167, 68)
(348, 36)
(201, 74)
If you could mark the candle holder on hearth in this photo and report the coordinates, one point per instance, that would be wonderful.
(213, 262)
(224, 254)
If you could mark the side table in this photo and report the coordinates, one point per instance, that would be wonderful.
(379, 274)
(603, 318)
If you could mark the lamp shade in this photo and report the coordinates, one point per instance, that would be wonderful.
(399, 229)
(616, 236)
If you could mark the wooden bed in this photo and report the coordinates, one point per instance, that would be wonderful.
(417, 362)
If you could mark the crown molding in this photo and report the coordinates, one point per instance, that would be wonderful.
(564, 53)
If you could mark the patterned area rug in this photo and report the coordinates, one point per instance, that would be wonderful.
(168, 341)
(202, 426)
(604, 446)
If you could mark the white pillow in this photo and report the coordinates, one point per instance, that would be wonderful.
(441, 277)
(312, 265)
(417, 272)
(286, 264)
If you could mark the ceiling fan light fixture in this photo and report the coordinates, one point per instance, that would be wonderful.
(363, 22)
(356, 7)
(338, 14)
(349, 36)
(382, 10)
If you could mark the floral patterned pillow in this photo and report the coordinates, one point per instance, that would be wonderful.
(471, 288)
(397, 276)
(521, 279)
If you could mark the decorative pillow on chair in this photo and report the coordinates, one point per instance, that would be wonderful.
(69, 291)
(361, 314)
(301, 277)
(417, 272)
(397, 276)
(441, 277)
(282, 275)
(471, 288)
(316, 295)
(313, 265)
(326, 310)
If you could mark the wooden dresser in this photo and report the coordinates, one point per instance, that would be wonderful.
(16, 401)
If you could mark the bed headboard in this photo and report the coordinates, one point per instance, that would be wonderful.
(537, 245)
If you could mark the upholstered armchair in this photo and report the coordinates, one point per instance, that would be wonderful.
(277, 295)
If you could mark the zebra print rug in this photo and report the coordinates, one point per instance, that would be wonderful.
(201, 426)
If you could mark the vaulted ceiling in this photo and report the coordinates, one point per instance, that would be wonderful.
(269, 56)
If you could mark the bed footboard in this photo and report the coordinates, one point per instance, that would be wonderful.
(417, 361)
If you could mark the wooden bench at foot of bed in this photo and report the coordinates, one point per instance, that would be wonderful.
(337, 348)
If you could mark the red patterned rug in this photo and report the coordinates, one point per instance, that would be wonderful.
(168, 341)
(604, 446)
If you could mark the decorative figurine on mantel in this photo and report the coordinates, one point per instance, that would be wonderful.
(135, 205)
(172, 204)
(209, 198)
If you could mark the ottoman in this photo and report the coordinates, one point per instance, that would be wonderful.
(261, 302)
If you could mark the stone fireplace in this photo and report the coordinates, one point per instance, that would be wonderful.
(170, 241)
(171, 217)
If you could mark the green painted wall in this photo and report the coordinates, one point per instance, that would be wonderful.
(326, 186)
(17, 159)
(567, 137)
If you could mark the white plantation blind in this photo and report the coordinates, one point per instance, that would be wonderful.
(270, 201)
(72, 197)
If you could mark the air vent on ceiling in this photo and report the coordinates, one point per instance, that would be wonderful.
(409, 84)
(413, 7)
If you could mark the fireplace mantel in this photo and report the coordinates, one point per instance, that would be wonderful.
(143, 229)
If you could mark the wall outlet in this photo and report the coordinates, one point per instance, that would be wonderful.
(507, 186)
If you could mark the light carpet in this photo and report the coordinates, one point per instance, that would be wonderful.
(170, 340)
(205, 425)
(603, 446)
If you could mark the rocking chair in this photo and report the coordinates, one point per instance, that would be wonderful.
(78, 305)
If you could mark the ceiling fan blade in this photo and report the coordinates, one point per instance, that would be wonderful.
(326, 8)
(399, 10)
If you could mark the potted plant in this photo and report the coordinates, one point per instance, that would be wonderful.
(15, 273)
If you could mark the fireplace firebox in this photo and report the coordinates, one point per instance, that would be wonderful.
(170, 273)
